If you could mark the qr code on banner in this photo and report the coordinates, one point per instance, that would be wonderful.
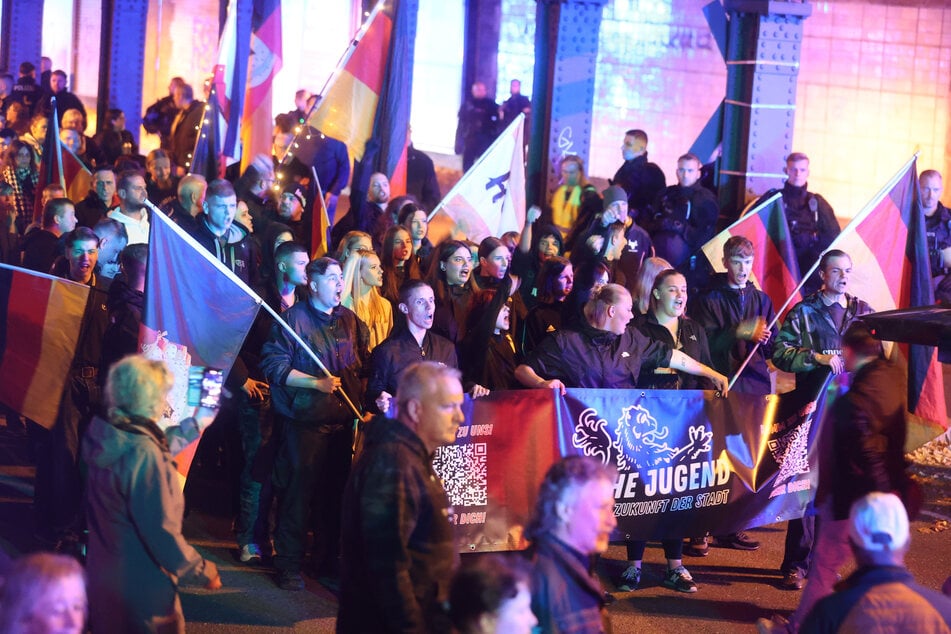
(463, 472)
(791, 451)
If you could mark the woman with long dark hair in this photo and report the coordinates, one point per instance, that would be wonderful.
(450, 275)
(494, 265)
(21, 173)
(555, 282)
(398, 262)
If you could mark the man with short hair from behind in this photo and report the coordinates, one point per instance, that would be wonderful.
(862, 449)
(881, 595)
(398, 549)
(189, 203)
(26, 90)
(112, 240)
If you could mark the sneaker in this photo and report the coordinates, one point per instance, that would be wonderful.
(737, 541)
(629, 580)
(680, 580)
(697, 547)
(292, 581)
(773, 625)
(793, 580)
(250, 554)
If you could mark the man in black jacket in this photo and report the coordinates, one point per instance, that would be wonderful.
(862, 450)
(398, 551)
(408, 344)
(642, 180)
(314, 457)
(735, 315)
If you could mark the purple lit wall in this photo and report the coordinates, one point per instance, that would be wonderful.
(873, 86)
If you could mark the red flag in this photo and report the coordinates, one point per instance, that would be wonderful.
(40, 318)
(256, 122)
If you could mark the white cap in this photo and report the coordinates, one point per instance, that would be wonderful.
(879, 522)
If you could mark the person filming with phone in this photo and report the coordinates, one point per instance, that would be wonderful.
(137, 554)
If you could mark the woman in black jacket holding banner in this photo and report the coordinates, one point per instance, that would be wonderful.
(607, 353)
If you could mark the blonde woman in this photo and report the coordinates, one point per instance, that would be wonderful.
(362, 279)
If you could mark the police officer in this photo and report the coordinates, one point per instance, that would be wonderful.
(937, 224)
(812, 222)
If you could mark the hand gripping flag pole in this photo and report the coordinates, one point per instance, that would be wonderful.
(260, 302)
(869, 207)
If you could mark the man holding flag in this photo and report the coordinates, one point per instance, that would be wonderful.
(314, 457)
(58, 493)
(809, 345)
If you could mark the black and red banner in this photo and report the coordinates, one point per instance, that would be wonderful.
(688, 461)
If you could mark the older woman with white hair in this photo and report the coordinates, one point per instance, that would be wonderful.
(137, 555)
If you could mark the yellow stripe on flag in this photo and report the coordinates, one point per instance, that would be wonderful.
(60, 333)
(347, 113)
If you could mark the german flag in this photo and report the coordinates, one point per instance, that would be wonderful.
(775, 268)
(40, 318)
(349, 105)
(890, 270)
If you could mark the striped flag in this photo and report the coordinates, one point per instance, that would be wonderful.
(349, 105)
(490, 198)
(197, 313)
(40, 319)
(385, 150)
(230, 81)
(775, 268)
(207, 157)
(257, 123)
(59, 165)
(320, 223)
(890, 270)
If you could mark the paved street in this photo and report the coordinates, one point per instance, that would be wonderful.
(736, 587)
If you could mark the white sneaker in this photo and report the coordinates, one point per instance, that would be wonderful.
(250, 554)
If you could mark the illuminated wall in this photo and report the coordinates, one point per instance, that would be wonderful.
(873, 86)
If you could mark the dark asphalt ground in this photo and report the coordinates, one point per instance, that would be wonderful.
(736, 587)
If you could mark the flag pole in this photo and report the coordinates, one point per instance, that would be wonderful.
(325, 238)
(478, 163)
(56, 144)
(313, 355)
(161, 217)
(858, 218)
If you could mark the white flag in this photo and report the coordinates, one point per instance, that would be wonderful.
(490, 198)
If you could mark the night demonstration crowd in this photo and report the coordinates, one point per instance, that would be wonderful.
(591, 293)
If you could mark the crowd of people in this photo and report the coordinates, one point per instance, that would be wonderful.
(591, 293)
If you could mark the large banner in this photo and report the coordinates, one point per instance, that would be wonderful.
(688, 461)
